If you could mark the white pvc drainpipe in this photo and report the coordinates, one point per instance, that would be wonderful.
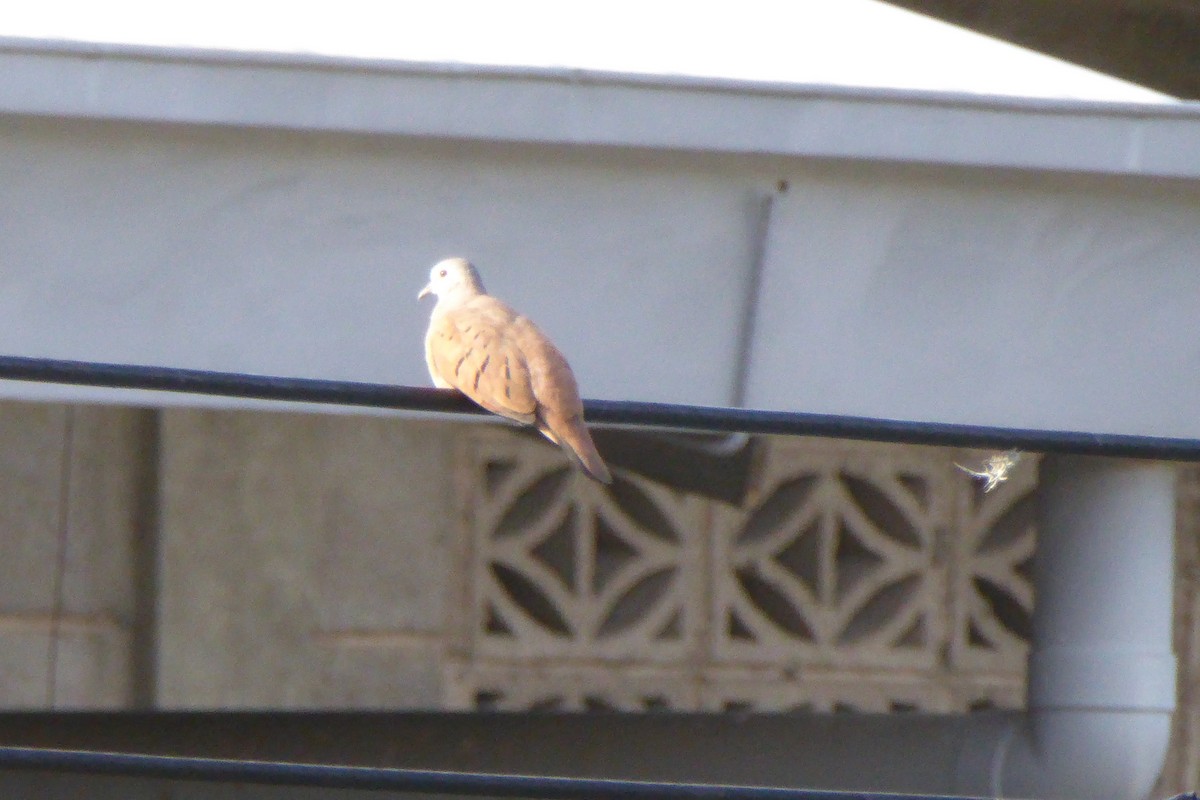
(1101, 666)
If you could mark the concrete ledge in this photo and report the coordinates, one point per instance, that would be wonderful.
(576, 107)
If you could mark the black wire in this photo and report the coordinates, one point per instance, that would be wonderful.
(380, 779)
(233, 384)
(613, 412)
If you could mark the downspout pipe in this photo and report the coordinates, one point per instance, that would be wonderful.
(1101, 689)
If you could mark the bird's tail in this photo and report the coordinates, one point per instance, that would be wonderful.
(573, 435)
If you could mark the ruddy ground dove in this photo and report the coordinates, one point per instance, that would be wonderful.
(501, 360)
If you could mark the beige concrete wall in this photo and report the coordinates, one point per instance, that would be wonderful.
(221, 560)
(303, 560)
(1182, 773)
(190, 559)
(73, 517)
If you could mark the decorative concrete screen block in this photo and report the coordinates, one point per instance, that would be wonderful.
(859, 577)
(992, 551)
(558, 568)
(836, 563)
(575, 687)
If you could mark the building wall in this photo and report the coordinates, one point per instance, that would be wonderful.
(74, 521)
(1182, 771)
(196, 559)
(301, 254)
(304, 561)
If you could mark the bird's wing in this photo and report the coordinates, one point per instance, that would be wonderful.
(474, 349)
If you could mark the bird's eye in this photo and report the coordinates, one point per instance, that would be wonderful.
(442, 273)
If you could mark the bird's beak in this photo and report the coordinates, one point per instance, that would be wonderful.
(428, 290)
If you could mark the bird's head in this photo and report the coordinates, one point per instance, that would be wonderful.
(452, 278)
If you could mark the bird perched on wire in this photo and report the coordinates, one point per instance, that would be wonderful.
(498, 358)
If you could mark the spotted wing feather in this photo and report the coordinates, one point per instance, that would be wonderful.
(472, 350)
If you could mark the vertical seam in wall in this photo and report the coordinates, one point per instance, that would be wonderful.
(63, 522)
(143, 640)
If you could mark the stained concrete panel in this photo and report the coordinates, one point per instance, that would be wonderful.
(90, 664)
(31, 473)
(73, 482)
(303, 559)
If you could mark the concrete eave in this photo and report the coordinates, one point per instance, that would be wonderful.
(582, 108)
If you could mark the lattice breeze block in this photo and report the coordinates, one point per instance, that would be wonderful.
(858, 577)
